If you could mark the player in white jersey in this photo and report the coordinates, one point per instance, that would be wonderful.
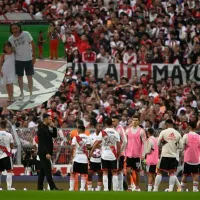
(79, 158)
(170, 141)
(110, 140)
(95, 160)
(6, 146)
(123, 142)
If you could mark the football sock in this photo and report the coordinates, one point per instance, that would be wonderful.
(105, 182)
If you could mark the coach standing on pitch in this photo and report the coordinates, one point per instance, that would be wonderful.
(46, 132)
(24, 48)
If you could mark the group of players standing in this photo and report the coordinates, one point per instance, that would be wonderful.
(109, 148)
(112, 147)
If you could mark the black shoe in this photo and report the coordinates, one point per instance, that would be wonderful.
(58, 189)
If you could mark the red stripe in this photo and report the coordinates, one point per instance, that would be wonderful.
(129, 72)
(121, 70)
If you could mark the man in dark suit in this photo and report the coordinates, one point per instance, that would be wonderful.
(46, 132)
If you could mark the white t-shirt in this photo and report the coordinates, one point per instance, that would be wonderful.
(22, 46)
(109, 142)
(171, 141)
(5, 140)
(80, 156)
(92, 139)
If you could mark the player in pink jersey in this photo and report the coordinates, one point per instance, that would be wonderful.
(191, 147)
(151, 152)
(136, 138)
(123, 142)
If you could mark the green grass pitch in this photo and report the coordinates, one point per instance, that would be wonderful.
(53, 195)
(34, 31)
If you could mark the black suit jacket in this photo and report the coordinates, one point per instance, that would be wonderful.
(45, 139)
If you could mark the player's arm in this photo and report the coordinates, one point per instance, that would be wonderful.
(88, 144)
(124, 140)
(184, 142)
(73, 146)
(148, 147)
(143, 136)
(160, 139)
(1, 63)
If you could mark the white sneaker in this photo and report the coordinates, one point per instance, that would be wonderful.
(136, 190)
(82, 189)
(32, 99)
(71, 189)
(1, 189)
(106, 190)
(11, 189)
(21, 97)
(196, 190)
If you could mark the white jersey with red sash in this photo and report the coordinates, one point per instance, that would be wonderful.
(80, 141)
(5, 140)
(109, 138)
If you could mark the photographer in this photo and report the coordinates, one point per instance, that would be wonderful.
(30, 162)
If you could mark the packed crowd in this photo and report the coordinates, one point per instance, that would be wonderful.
(123, 31)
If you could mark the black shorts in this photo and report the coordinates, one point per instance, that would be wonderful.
(167, 164)
(151, 169)
(95, 167)
(21, 66)
(190, 169)
(80, 168)
(6, 164)
(109, 164)
(133, 163)
(121, 162)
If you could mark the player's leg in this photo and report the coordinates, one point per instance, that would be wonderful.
(195, 177)
(90, 176)
(120, 173)
(83, 182)
(105, 167)
(11, 92)
(136, 168)
(114, 169)
(83, 170)
(150, 170)
(7, 165)
(100, 179)
(72, 182)
(172, 166)
(129, 172)
(186, 172)
(158, 180)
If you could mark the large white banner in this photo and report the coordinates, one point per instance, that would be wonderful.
(180, 74)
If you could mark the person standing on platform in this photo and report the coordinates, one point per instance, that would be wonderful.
(46, 132)
(24, 48)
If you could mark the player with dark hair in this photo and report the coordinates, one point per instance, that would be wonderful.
(136, 138)
(150, 154)
(95, 159)
(79, 158)
(110, 141)
(191, 147)
(170, 141)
